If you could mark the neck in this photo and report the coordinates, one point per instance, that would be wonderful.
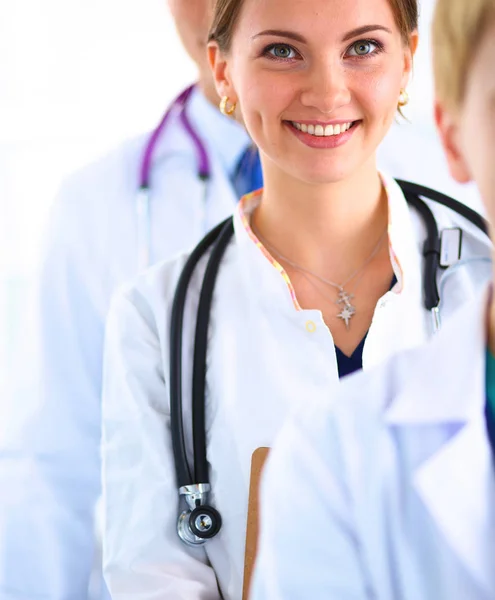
(328, 228)
(207, 87)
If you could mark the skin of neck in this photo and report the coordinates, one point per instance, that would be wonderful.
(207, 87)
(329, 228)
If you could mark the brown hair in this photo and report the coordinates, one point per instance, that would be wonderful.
(226, 14)
(458, 26)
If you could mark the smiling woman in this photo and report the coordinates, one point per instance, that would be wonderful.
(318, 87)
(322, 278)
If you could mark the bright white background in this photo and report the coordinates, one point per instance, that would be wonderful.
(77, 77)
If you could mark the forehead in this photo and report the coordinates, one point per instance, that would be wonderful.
(326, 17)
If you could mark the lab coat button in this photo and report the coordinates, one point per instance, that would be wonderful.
(310, 326)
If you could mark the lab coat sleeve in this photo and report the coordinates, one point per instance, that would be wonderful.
(50, 431)
(142, 553)
(308, 543)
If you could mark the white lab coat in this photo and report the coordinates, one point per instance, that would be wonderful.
(49, 448)
(389, 493)
(265, 357)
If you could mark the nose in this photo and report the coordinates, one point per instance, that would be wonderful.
(326, 88)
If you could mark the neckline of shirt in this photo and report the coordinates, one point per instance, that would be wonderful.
(399, 240)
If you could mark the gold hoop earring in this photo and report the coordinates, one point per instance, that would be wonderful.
(403, 98)
(228, 112)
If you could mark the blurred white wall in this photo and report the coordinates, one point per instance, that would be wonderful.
(76, 77)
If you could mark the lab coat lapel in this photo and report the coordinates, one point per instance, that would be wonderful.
(457, 486)
(456, 483)
(390, 331)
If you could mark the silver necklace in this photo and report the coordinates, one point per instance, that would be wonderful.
(347, 309)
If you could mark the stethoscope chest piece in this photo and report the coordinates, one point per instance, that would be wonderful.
(200, 522)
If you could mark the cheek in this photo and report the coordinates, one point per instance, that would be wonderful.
(266, 95)
(378, 92)
(487, 163)
(478, 147)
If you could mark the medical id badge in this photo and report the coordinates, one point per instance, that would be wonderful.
(450, 247)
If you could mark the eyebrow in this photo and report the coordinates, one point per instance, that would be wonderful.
(365, 29)
(280, 33)
(292, 35)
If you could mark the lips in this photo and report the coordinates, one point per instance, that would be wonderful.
(323, 135)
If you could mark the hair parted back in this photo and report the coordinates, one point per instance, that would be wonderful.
(457, 29)
(226, 15)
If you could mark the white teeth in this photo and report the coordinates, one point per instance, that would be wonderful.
(322, 131)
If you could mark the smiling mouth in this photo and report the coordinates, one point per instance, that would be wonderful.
(323, 130)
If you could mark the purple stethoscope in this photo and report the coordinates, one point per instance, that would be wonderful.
(143, 199)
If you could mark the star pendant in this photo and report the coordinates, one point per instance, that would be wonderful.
(346, 314)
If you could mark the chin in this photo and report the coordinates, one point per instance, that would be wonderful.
(324, 173)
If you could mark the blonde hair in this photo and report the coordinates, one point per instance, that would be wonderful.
(458, 26)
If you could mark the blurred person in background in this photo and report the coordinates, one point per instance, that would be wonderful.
(147, 200)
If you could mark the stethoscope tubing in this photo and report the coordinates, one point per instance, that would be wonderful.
(200, 351)
(183, 472)
(143, 198)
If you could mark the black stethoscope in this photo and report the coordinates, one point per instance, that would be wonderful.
(200, 522)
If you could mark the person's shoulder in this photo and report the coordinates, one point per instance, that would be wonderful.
(155, 287)
(155, 281)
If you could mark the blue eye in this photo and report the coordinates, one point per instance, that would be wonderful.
(363, 48)
(281, 51)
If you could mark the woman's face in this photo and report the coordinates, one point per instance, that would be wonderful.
(317, 82)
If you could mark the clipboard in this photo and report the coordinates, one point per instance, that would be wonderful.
(257, 462)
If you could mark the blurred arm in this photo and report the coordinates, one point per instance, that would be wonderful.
(50, 434)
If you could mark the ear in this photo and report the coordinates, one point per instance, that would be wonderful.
(220, 71)
(409, 53)
(447, 126)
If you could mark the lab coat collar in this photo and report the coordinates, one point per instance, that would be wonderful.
(406, 260)
(403, 243)
(226, 135)
(457, 482)
(262, 270)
